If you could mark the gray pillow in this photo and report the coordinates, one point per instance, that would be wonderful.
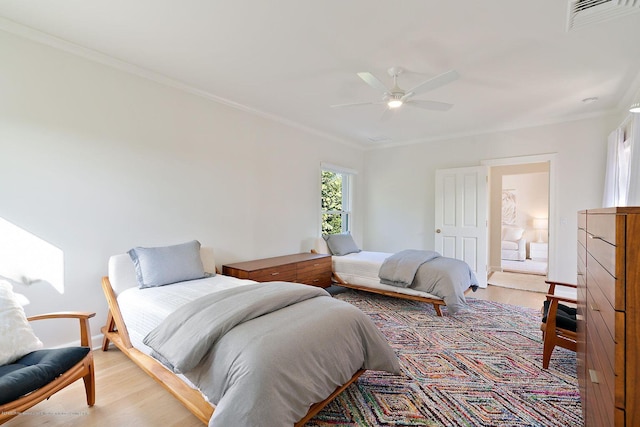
(168, 264)
(341, 244)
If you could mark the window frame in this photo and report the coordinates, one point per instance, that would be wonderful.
(346, 213)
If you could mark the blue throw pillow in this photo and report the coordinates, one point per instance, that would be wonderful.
(168, 264)
(341, 244)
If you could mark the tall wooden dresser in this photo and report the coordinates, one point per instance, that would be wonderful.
(609, 316)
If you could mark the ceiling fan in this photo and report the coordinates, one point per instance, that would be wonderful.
(396, 97)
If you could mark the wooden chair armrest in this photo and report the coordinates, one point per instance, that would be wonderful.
(63, 315)
(83, 317)
(551, 297)
(553, 282)
(552, 285)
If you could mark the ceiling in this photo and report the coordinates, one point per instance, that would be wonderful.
(292, 59)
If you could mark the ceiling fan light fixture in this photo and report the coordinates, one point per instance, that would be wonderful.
(394, 103)
(635, 108)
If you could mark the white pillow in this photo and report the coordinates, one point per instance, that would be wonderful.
(512, 233)
(16, 336)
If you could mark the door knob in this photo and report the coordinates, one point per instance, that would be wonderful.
(438, 230)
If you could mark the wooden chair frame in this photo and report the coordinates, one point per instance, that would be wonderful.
(552, 335)
(115, 331)
(83, 369)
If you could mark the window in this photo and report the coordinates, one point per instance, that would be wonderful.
(336, 199)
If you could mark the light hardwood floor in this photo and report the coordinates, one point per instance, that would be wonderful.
(125, 396)
(510, 296)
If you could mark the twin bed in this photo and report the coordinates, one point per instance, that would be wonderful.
(440, 281)
(254, 366)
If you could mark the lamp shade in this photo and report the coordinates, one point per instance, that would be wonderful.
(540, 223)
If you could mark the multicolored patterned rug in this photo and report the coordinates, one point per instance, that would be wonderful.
(482, 367)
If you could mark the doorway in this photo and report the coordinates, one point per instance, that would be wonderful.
(524, 217)
(521, 219)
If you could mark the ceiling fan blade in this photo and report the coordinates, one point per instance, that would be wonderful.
(429, 105)
(354, 104)
(372, 81)
(435, 82)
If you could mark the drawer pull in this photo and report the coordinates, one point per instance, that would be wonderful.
(275, 274)
(594, 376)
(591, 236)
(594, 307)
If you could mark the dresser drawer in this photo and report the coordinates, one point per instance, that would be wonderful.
(582, 237)
(621, 362)
(582, 219)
(603, 285)
(604, 252)
(603, 226)
(601, 328)
(600, 380)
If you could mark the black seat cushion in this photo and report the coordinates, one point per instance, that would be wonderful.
(35, 370)
(565, 317)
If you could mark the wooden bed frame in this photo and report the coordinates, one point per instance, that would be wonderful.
(115, 331)
(437, 303)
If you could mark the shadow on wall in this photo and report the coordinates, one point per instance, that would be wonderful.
(28, 259)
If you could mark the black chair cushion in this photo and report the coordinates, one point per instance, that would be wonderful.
(35, 370)
(565, 317)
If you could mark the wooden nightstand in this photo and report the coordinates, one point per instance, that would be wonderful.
(538, 251)
(308, 268)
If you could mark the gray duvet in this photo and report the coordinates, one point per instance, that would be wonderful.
(428, 271)
(264, 353)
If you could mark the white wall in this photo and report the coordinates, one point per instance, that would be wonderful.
(400, 182)
(96, 161)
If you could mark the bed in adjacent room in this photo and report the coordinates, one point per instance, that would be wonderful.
(247, 362)
(417, 275)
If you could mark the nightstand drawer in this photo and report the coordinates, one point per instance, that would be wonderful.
(323, 280)
(314, 266)
(283, 273)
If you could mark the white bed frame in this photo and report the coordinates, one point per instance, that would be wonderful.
(115, 331)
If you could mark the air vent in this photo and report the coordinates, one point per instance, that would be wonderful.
(586, 12)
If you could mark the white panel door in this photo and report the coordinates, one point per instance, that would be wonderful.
(461, 217)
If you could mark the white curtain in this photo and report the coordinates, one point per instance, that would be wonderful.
(612, 190)
(633, 195)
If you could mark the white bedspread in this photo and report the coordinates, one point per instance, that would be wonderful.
(362, 269)
(144, 309)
